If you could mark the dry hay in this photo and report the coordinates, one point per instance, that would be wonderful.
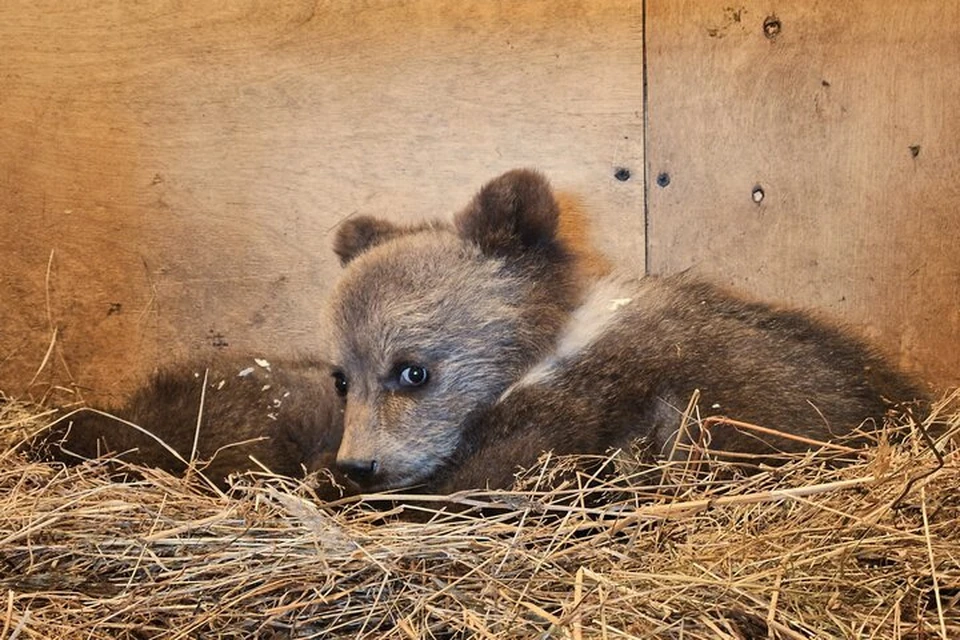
(811, 549)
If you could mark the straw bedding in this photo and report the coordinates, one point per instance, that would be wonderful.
(869, 549)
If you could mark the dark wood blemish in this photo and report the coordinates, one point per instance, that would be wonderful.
(731, 16)
(217, 339)
(772, 27)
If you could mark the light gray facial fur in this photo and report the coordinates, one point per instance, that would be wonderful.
(454, 313)
(474, 305)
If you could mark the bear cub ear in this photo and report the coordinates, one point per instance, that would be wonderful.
(512, 213)
(359, 234)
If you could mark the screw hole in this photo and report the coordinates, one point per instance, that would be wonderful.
(663, 179)
(622, 174)
(772, 27)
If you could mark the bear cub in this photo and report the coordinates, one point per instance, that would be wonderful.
(465, 350)
(283, 413)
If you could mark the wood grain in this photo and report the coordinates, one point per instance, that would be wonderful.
(171, 173)
(848, 118)
(184, 164)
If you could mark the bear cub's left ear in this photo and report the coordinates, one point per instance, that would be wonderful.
(512, 213)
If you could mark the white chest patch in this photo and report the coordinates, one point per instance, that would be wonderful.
(590, 321)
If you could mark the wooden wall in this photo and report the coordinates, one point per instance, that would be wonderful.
(180, 166)
(847, 117)
(170, 173)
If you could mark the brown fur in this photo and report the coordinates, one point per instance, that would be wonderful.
(481, 308)
(772, 367)
(475, 303)
(287, 416)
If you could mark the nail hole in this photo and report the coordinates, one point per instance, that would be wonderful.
(757, 194)
(622, 174)
(663, 179)
(772, 27)
(915, 150)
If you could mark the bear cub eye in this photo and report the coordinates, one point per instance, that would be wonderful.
(340, 383)
(412, 375)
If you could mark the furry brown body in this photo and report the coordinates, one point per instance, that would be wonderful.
(432, 325)
(632, 357)
(284, 414)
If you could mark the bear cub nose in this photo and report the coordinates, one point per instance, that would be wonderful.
(360, 471)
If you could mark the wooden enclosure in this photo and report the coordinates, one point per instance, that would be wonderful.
(843, 120)
(171, 173)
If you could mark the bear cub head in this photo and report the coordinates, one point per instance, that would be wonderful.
(434, 321)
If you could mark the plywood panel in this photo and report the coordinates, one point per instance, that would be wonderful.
(170, 173)
(847, 115)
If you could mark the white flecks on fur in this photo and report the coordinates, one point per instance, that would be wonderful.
(263, 363)
(245, 372)
(590, 321)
